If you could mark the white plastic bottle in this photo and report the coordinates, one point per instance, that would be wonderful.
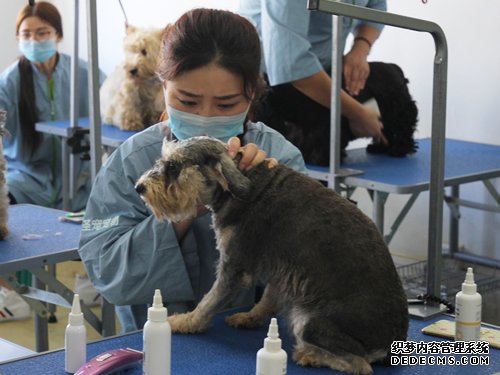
(271, 359)
(75, 339)
(157, 339)
(468, 310)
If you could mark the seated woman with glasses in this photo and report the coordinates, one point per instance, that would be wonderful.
(37, 88)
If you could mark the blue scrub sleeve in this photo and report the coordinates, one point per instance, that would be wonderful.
(126, 251)
(287, 51)
(376, 5)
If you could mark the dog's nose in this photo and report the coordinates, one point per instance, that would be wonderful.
(140, 188)
(133, 72)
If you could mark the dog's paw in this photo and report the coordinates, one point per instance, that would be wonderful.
(307, 358)
(351, 364)
(187, 323)
(4, 231)
(245, 320)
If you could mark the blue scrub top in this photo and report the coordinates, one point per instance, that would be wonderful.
(297, 42)
(37, 179)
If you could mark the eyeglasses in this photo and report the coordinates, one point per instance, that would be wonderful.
(43, 34)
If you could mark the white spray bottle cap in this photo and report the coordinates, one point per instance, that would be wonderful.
(469, 286)
(75, 317)
(272, 342)
(157, 312)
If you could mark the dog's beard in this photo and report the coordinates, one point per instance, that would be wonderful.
(175, 206)
(177, 201)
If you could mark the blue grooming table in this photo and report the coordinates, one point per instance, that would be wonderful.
(52, 241)
(226, 350)
(38, 239)
(464, 162)
(111, 136)
(382, 175)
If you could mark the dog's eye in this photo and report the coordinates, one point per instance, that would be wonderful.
(171, 170)
(144, 52)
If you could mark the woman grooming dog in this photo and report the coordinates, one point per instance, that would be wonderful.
(209, 64)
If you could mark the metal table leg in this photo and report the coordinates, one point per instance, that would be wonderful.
(41, 326)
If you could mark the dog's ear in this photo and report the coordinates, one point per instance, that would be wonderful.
(230, 177)
(130, 29)
(167, 148)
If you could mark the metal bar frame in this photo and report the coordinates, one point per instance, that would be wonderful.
(94, 110)
(333, 178)
(399, 219)
(436, 186)
(108, 309)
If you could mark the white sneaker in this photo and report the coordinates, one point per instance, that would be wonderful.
(12, 306)
(86, 291)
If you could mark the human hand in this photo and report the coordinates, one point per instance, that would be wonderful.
(251, 154)
(356, 70)
(367, 124)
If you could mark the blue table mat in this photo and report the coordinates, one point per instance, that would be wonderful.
(49, 236)
(226, 350)
(462, 159)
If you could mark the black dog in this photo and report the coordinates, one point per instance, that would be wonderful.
(307, 124)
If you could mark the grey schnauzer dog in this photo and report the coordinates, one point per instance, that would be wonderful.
(326, 267)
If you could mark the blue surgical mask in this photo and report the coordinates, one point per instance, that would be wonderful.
(185, 125)
(36, 51)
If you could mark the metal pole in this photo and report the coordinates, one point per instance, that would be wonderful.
(436, 187)
(336, 74)
(94, 109)
(95, 132)
(68, 159)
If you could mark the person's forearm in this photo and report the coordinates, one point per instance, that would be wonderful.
(364, 38)
(318, 87)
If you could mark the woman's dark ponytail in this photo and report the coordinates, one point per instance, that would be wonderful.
(28, 112)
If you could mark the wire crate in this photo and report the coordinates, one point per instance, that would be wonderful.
(413, 277)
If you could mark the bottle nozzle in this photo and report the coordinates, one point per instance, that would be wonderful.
(157, 299)
(75, 307)
(157, 311)
(75, 315)
(273, 329)
(469, 286)
(469, 276)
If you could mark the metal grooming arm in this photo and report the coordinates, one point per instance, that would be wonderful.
(436, 188)
(94, 110)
